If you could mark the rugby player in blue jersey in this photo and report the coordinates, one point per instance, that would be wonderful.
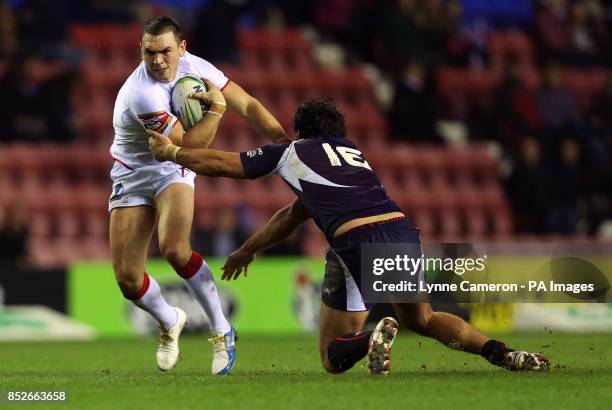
(335, 185)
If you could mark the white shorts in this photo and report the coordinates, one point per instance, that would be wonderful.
(140, 186)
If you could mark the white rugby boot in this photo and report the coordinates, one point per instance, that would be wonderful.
(379, 350)
(168, 349)
(517, 360)
(224, 352)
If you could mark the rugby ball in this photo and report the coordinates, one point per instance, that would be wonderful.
(188, 110)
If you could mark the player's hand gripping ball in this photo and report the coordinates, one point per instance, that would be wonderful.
(213, 96)
(192, 97)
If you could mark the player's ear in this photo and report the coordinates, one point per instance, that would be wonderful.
(182, 47)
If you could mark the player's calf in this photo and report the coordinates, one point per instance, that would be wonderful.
(170, 320)
(201, 284)
(344, 351)
(130, 283)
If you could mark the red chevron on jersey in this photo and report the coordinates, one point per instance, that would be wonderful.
(157, 121)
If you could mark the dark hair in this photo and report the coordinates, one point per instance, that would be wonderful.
(160, 25)
(318, 116)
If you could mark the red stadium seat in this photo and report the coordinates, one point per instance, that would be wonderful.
(425, 221)
(391, 184)
(585, 84)
(450, 226)
(40, 254)
(482, 81)
(493, 197)
(85, 35)
(468, 196)
(107, 40)
(124, 39)
(40, 226)
(306, 84)
(483, 163)
(68, 224)
(301, 62)
(94, 248)
(476, 224)
(429, 159)
(511, 43)
(273, 41)
(451, 81)
(501, 222)
(355, 84)
(96, 225)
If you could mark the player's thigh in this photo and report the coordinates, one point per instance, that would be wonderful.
(175, 207)
(414, 315)
(131, 229)
(334, 323)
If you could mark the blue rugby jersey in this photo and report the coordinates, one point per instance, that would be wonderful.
(328, 174)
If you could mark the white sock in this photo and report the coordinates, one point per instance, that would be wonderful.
(154, 303)
(203, 289)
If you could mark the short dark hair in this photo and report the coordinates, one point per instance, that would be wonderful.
(318, 116)
(160, 25)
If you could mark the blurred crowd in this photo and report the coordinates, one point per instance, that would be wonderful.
(13, 233)
(222, 232)
(556, 152)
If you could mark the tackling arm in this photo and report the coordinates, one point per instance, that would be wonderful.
(278, 228)
(203, 161)
(211, 162)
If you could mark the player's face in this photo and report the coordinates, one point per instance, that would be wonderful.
(161, 55)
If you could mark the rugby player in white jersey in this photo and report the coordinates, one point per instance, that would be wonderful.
(145, 190)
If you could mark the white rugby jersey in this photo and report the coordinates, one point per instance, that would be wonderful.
(144, 101)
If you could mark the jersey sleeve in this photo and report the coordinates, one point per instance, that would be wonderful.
(263, 160)
(209, 71)
(152, 108)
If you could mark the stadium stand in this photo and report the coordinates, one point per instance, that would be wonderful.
(451, 193)
(66, 188)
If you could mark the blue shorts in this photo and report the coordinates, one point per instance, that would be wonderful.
(341, 289)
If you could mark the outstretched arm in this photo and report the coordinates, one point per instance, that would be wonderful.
(202, 161)
(278, 228)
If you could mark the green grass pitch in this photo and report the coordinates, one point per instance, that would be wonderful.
(284, 373)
